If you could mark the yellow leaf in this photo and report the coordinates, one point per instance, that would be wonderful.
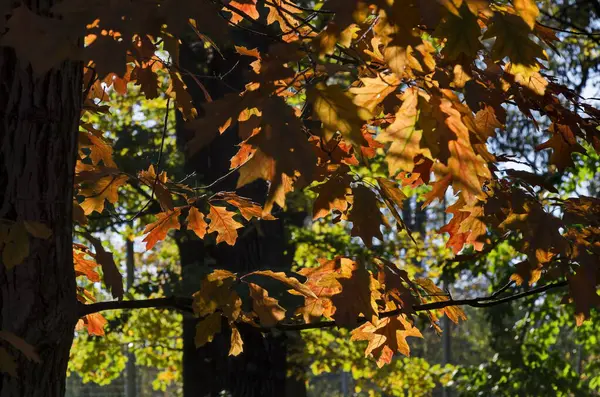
(374, 90)
(403, 134)
(237, 344)
(528, 10)
(337, 112)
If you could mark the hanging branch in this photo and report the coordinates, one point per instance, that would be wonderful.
(185, 305)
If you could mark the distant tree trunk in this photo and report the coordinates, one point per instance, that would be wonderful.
(130, 369)
(261, 370)
(38, 129)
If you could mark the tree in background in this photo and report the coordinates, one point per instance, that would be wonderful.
(351, 101)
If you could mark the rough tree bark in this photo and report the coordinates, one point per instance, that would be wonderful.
(261, 369)
(38, 132)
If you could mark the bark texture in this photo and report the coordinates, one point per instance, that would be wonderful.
(38, 133)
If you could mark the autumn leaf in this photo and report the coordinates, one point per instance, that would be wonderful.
(158, 185)
(37, 229)
(563, 144)
(461, 32)
(94, 323)
(112, 277)
(334, 194)
(196, 222)
(291, 282)
(359, 292)
(236, 343)
(365, 215)
(267, 308)
(404, 135)
(207, 328)
(16, 245)
(106, 188)
(53, 44)
(374, 91)
(248, 209)
(158, 230)
(283, 155)
(216, 293)
(391, 191)
(322, 281)
(7, 363)
(336, 110)
(386, 337)
(85, 267)
(584, 290)
(528, 10)
(513, 40)
(222, 222)
(435, 294)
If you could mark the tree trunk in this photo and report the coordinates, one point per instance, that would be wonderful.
(38, 129)
(261, 369)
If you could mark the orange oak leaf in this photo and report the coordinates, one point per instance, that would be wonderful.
(158, 230)
(207, 328)
(106, 188)
(158, 186)
(85, 267)
(222, 222)
(196, 222)
(386, 337)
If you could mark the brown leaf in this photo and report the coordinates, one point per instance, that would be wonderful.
(563, 144)
(334, 194)
(113, 279)
(207, 328)
(283, 155)
(267, 308)
(359, 292)
(365, 215)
